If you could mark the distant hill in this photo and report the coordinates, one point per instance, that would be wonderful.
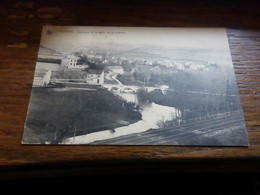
(48, 55)
(46, 50)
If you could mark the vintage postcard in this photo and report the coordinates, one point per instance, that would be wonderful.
(134, 86)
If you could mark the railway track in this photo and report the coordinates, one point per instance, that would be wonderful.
(174, 135)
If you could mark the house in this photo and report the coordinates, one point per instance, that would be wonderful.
(95, 77)
(72, 62)
(41, 78)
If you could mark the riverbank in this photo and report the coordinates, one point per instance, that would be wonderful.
(152, 115)
(55, 115)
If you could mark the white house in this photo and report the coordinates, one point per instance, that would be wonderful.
(41, 78)
(95, 77)
(71, 61)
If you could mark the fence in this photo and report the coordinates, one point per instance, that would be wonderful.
(180, 121)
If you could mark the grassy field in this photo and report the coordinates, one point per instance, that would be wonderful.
(56, 115)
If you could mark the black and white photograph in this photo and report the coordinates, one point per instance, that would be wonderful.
(134, 86)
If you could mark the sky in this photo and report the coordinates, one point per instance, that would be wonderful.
(61, 37)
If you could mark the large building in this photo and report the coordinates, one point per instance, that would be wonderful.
(95, 77)
(41, 79)
(72, 62)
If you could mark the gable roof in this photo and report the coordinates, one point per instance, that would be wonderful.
(71, 56)
(114, 67)
(40, 73)
(95, 71)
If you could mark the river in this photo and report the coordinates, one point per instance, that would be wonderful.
(152, 115)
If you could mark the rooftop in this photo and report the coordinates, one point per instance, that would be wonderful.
(95, 71)
(71, 56)
(114, 67)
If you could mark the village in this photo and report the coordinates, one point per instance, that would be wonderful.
(132, 79)
(102, 100)
(57, 70)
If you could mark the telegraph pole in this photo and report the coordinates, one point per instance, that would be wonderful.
(227, 97)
